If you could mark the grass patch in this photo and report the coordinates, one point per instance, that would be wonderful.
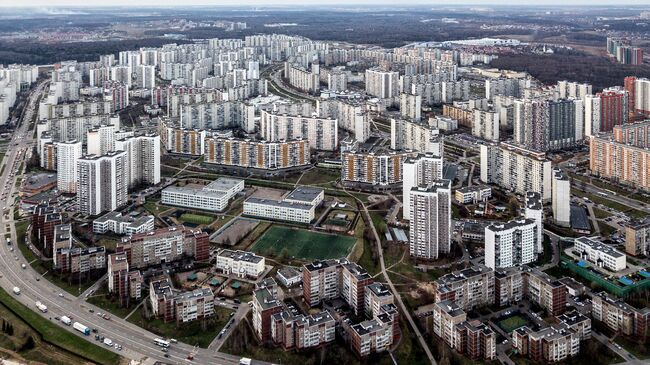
(367, 261)
(104, 300)
(634, 213)
(302, 244)
(54, 335)
(318, 175)
(196, 218)
(191, 333)
(601, 214)
(512, 323)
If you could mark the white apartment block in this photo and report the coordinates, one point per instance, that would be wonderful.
(423, 169)
(382, 84)
(322, 133)
(117, 223)
(535, 211)
(101, 140)
(243, 264)
(430, 222)
(486, 125)
(510, 244)
(561, 199)
(574, 90)
(600, 254)
(415, 136)
(516, 169)
(143, 158)
(351, 116)
(67, 155)
(410, 106)
(101, 183)
(212, 197)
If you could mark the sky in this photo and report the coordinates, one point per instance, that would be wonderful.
(79, 3)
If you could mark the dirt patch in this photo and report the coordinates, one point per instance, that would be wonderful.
(235, 231)
(268, 193)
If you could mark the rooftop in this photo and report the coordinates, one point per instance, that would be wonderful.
(594, 244)
(240, 256)
(304, 194)
(278, 203)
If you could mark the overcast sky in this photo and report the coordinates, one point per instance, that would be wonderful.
(51, 3)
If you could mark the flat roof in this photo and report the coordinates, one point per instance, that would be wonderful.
(223, 184)
(579, 218)
(241, 256)
(278, 203)
(304, 193)
(595, 244)
(195, 189)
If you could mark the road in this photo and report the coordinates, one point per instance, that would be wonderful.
(137, 343)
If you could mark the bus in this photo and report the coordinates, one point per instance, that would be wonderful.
(161, 343)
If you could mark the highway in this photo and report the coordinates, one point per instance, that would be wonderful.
(137, 343)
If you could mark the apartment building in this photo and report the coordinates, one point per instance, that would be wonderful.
(410, 106)
(100, 140)
(350, 114)
(605, 110)
(320, 281)
(242, 264)
(465, 117)
(510, 244)
(76, 260)
(377, 168)
(302, 78)
(621, 317)
(322, 133)
(298, 331)
(372, 335)
(600, 254)
(549, 344)
(533, 209)
(62, 240)
(414, 136)
(578, 322)
(44, 219)
(423, 169)
(123, 224)
(143, 158)
(182, 141)
(430, 220)
(468, 288)
(182, 307)
(486, 125)
(543, 289)
(354, 280)
(212, 197)
(637, 237)
(447, 316)
(74, 128)
(382, 84)
(508, 286)
(376, 295)
(67, 155)
(125, 284)
(620, 162)
(264, 155)
(561, 198)
(476, 340)
(164, 245)
(548, 125)
(216, 115)
(516, 169)
(102, 183)
(265, 306)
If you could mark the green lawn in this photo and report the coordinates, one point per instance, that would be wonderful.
(103, 300)
(512, 323)
(53, 334)
(196, 218)
(302, 244)
(601, 214)
(190, 333)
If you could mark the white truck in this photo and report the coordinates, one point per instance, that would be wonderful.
(66, 320)
(41, 307)
(108, 342)
(245, 361)
(16, 290)
(81, 328)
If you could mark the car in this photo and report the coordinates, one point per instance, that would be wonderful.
(91, 310)
(106, 317)
(94, 330)
(232, 314)
(61, 295)
(38, 278)
(165, 349)
(166, 355)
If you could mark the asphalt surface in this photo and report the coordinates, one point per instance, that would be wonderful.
(137, 343)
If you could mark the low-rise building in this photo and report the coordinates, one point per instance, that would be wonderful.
(211, 197)
(117, 223)
(240, 263)
(545, 290)
(181, 307)
(621, 317)
(600, 254)
(549, 344)
(279, 210)
(302, 332)
(578, 322)
(77, 260)
(473, 194)
(371, 336)
(288, 276)
(508, 286)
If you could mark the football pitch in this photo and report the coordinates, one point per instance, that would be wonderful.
(302, 244)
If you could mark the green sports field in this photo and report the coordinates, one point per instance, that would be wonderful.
(302, 244)
(512, 323)
(196, 218)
